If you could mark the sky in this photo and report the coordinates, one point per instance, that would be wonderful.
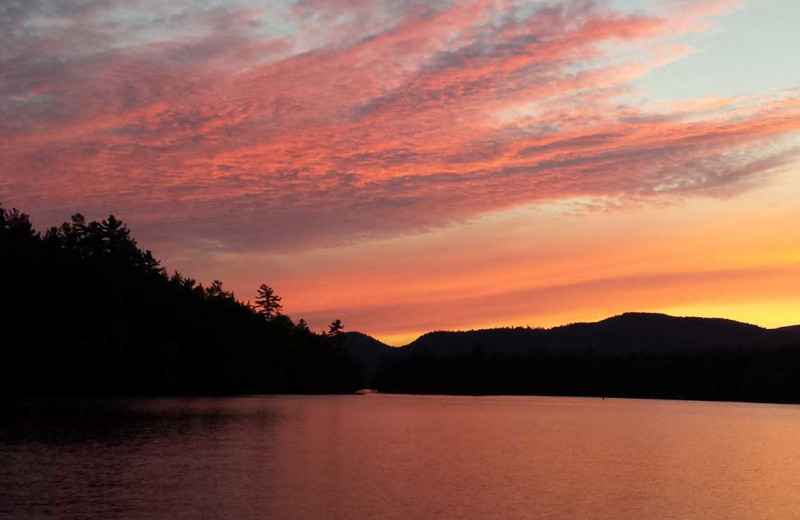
(409, 166)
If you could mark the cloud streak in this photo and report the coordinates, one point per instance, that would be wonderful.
(408, 165)
(360, 119)
(651, 291)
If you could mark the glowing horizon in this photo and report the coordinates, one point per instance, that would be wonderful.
(408, 167)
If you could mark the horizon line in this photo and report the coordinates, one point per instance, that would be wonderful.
(580, 322)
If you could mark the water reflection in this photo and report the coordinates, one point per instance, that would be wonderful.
(404, 457)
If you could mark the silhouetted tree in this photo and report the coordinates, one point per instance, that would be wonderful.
(116, 324)
(15, 225)
(268, 304)
(335, 328)
(302, 325)
(97, 316)
(216, 292)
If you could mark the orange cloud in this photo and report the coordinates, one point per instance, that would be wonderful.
(329, 123)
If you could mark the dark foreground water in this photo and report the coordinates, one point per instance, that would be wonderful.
(401, 457)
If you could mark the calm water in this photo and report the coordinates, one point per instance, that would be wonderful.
(402, 457)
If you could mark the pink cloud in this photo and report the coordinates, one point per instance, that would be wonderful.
(231, 134)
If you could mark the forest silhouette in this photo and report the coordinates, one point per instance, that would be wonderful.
(632, 355)
(86, 312)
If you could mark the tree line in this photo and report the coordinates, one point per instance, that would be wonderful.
(86, 311)
(756, 374)
(642, 355)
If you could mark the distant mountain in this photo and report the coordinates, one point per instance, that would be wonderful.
(634, 355)
(630, 332)
(367, 350)
(786, 334)
(627, 333)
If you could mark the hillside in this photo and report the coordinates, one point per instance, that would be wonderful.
(631, 332)
(632, 355)
(93, 314)
(370, 352)
(627, 333)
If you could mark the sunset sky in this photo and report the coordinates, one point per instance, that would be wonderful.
(416, 165)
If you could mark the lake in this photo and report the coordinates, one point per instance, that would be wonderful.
(400, 457)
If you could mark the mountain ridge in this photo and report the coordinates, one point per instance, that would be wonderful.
(644, 355)
(627, 334)
(784, 330)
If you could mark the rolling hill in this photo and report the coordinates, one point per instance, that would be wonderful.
(631, 332)
(633, 354)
